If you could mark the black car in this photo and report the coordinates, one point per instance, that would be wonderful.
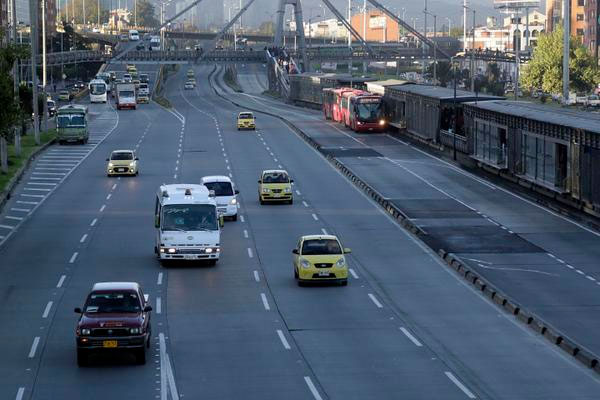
(144, 78)
(140, 47)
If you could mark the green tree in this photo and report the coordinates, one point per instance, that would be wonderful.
(9, 112)
(545, 68)
(443, 71)
(146, 14)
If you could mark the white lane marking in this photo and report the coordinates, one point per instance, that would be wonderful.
(20, 393)
(163, 369)
(580, 272)
(312, 388)
(305, 204)
(114, 186)
(280, 166)
(7, 227)
(83, 238)
(14, 218)
(42, 183)
(298, 192)
(47, 310)
(411, 337)
(374, 300)
(569, 266)
(73, 258)
(20, 209)
(462, 387)
(61, 281)
(27, 202)
(353, 273)
(315, 217)
(94, 222)
(159, 279)
(246, 234)
(48, 173)
(108, 196)
(256, 276)
(560, 261)
(158, 305)
(34, 346)
(43, 178)
(250, 254)
(103, 207)
(284, 341)
(242, 218)
(37, 196)
(551, 255)
(265, 301)
(590, 278)
(171, 379)
(37, 189)
(324, 231)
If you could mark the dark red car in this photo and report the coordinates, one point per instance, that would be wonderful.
(116, 315)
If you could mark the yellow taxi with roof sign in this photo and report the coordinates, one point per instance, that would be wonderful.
(320, 258)
(275, 185)
(246, 120)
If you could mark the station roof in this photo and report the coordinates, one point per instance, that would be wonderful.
(441, 93)
(545, 113)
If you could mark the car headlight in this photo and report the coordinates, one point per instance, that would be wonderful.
(110, 164)
(134, 331)
(233, 202)
(381, 122)
(288, 190)
(131, 164)
(208, 250)
(86, 331)
(358, 123)
(305, 263)
(265, 190)
(340, 263)
(171, 250)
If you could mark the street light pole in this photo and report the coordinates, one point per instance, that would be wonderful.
(33, 11)
(454, 109)
(566, 45)
(424, 34)
(44, 72)
(449, 25)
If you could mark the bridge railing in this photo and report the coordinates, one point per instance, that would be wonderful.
(277, 77)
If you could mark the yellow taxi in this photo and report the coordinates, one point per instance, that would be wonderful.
(246, 120)
(131, 67)
(190, 73)
(275, 185)
(122, 162)
(320, 258)
(64, 95)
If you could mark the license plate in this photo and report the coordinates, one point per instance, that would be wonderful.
(120, 169)
(276, 194)
(189, 257)
(323, 273)
(109, 343)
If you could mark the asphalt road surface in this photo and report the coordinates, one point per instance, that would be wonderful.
(404, 327)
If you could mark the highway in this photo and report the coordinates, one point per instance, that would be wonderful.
(405, 327)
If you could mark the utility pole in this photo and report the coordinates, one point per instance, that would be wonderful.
(134, 12)
(566, 44)
(350, 40)
(33, 11)
(83, 12)
(44, 72)
(15, 75)
(424, 34)
(517, 49)
(472, 56)
(365, 19)
(434, 48)
(449, 25)
(465, 26)
(99, 14)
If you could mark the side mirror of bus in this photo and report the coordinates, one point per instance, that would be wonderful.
(107, 159)
(221, 221)
(237, 191)
(157, 221)
(77, 310)
(137, 159)
(259, 181)
(291, 181)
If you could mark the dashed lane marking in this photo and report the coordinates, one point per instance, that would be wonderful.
(61, 281)
(411, 337)
(256, 276)
(250, 254)
(159, 279)
(47, 310)
(73, 258)
(375, 301)
(85, 235)
(312, 388)
(315, 217)
(20, 209)
(462, 387)
(265, 301)
(34, 346)
(353, 273)
(94, 222)
(284, 341)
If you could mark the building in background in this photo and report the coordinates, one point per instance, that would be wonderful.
(578, 22)
(4, 19)
(592, 15)
(379, 27)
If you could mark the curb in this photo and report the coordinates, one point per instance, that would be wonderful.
(529, 319)
(535, 323)
(7, 192)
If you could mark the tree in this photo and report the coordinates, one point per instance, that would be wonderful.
(443, 71)
(91, 12)
(146, 14)
(545, 68)
(9, 112)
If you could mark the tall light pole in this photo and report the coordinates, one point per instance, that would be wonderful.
(465, 25)
(83, 12)
(449, 25)
(33, 11)
(44, 72)
(98, 14)
(365, 19)
(424, 34)
(566, 39)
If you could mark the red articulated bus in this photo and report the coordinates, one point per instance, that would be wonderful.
(366, 113)
(336, 113)
(346, 100)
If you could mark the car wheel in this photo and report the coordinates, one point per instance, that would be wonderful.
(82, 358)
(295, 273)
(262, 202)
(344, 282)
(140, 356)
(291, 201)
(212, 262)
(234, 218)
(300, 283)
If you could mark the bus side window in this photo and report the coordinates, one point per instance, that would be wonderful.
(157, 214)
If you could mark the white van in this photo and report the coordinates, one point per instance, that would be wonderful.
(188, 226)
(134, 35)
(225, 194)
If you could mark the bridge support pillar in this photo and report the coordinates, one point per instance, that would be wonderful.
(279, 31)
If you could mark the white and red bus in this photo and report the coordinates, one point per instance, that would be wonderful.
(345, 104)
(366, 113)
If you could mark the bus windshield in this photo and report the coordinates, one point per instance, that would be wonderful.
(97, 88)
(70, 121)
(368, 110)
(190, 217)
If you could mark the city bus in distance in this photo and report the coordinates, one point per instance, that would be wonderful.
(98, 89)
(155, 43)
(71, 124)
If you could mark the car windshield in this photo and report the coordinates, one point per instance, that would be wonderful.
(220, 188)
(189, 217)
(98, 88)
(64, 93)
(122, 155)
(321, 246)
(246, 116)
(275, 177)
(369, 110)
(114, 302)
(126, 93)
(68, 120)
